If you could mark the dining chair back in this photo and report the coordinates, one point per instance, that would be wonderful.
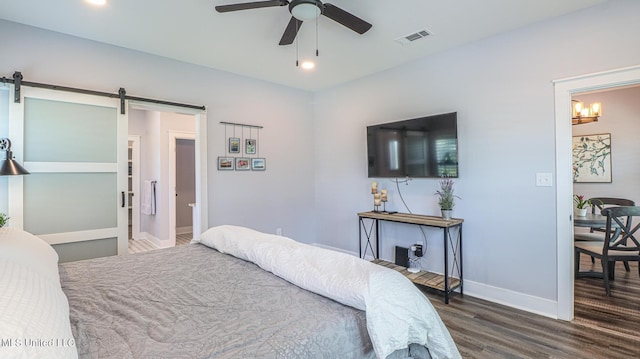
(621, 243)
(600, 203)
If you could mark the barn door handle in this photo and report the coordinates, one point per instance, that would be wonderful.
(122, 199)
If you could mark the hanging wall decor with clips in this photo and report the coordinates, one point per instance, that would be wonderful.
(241, 148)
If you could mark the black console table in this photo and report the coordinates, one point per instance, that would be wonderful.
(444, 283)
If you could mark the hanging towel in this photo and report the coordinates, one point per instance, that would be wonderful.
(148, 205)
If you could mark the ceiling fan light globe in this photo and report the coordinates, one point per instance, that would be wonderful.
(308, 65)
(97, 2)
(305, 9)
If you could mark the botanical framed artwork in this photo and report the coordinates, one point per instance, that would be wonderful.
(242, 164)
(591, 157)
(226, 163)
(234, 145)
(250, 146)
(258, 164)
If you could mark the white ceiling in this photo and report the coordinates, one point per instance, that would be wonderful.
(246, 42)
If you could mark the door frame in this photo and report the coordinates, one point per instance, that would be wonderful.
(173, 136)
(564, 89)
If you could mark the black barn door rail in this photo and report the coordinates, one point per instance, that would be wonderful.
(122, 93)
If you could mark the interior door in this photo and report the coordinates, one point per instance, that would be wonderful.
(75, 147)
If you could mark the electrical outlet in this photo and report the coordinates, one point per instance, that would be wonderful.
(279, 231)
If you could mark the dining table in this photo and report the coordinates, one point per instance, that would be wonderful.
(590, 220)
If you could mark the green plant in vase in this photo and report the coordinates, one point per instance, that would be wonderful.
(581, 205)
(446, 198)
(3, 219)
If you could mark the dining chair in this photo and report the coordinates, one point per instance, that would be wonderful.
(600, 203)
(621, 243)
(597, 205)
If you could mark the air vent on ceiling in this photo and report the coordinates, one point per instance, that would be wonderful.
(413, 37)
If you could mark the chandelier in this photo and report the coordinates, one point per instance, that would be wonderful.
(584, 114)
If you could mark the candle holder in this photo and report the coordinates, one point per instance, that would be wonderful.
(377, 197)
(376, 202)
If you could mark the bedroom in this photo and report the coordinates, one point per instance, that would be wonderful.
(501, 87)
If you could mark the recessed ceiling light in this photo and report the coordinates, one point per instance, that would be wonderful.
(308, 65)
(97, 2)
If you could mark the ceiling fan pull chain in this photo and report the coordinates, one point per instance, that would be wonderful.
(317, 36)
(297, 56)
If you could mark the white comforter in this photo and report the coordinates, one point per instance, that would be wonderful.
(397, 313)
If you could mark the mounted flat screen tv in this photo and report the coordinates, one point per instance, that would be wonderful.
(420, 147)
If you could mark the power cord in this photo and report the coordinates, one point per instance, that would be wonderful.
(406, 181)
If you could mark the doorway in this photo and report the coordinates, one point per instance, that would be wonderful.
(162, 130)
(610, 173)
(564, 90)
(182, 182)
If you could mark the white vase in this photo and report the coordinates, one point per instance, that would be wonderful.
(446, 213)
(580, 212)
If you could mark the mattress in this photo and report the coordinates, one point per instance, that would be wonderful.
(195, 302)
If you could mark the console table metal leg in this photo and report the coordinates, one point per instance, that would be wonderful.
(446, 266)
(368, 234)
(360, 237)
(460, 253)
(377, 239)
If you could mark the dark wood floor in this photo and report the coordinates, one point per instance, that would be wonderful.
(605, 327)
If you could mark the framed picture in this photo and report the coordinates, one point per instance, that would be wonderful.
(242, 164)
(591, 157)
(250, 146)
(225, 164)
(234, 145)
(258, 164)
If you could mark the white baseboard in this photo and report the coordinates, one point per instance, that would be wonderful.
(368, 257)
(156, 241)
(509, 298)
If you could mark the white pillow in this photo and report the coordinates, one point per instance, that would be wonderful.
(23, 247)
(233, 240)
(315, 269)
(34, 311)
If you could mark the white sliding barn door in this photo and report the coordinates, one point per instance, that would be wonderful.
(75, 147)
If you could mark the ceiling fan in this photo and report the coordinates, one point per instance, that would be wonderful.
(302, 10)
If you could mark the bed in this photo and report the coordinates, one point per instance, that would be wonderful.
(233, 293)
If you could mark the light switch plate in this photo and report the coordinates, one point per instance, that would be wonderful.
(544, 179)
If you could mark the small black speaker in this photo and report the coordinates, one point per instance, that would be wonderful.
(402, 256)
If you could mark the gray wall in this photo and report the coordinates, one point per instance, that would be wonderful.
(502, 89)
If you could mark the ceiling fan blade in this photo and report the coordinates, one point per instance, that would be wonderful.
(251, 5)
(291, 31)
(344, 18)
